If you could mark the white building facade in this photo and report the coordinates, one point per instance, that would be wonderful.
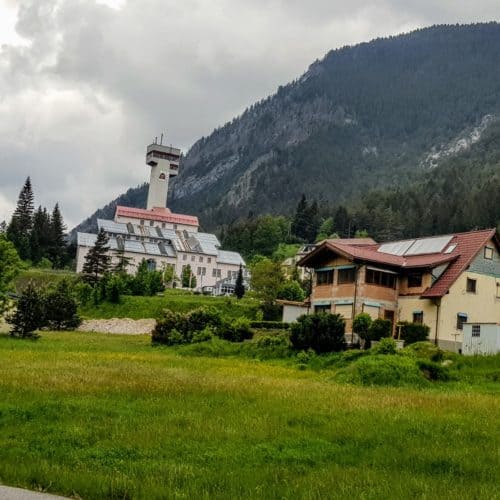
(161, 237)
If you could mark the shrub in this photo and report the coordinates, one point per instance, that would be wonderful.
(382, 370)
(320, 332)
(169, 322)
(291, 290)
(425, 350)
(361, 325)
(29, 314)
(379, 329)
(203, 336)
(414, 332)
(203, 317)
(61, 308)
(385, 346)
(114, 288)
(433, 370)
(236, 331)
(83, 292)
(273, 341)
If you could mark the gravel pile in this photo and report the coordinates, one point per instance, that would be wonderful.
(124, 326)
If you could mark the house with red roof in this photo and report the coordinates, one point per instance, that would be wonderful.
(441, 281)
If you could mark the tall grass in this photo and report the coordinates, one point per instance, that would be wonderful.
(100, 416)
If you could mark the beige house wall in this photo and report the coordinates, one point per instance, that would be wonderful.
(480, 307)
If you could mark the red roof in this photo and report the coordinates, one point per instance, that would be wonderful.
(467, 246)
(158, 214)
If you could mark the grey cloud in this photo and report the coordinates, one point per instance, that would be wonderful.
(93, 84)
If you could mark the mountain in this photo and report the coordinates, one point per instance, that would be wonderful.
(386, 113)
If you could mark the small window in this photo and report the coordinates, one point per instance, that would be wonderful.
(184, 257)
(201, 259)
(461, 319)
(163, 225)
(142, 222)
(345, 276)
(471, 285)
(151, 223)
(219, 273)
(214, 273)
(476, 330)
(324, 277)
(323, 309)
(414, 280)
(229, 274)
(198, 271)
(488, 253)
(418, 317)
(175, 227)
(209, 260)
(193, 258)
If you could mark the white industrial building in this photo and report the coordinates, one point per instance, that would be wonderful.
(164, 238)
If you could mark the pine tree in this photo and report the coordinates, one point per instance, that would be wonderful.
(40, 237)
(58, 251)
(299, 222)
(19, 229)
(97, 260)
(123, 261)
(239, 289)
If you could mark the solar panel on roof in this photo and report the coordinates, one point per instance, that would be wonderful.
(396, 248)
(429, 245)
(134, 246)
(111, 226)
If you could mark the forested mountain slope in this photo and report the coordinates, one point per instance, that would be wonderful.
(381, 114)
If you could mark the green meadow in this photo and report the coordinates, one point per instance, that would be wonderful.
(97, 416)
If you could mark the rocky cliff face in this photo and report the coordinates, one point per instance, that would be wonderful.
(367, 116)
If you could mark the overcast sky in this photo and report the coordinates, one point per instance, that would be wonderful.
(86, 84)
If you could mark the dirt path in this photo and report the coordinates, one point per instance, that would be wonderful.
(124, 326)
(8, 493)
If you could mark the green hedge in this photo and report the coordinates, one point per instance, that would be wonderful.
(269, 325)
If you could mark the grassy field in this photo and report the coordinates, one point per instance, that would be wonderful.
(99, 416)
(151, 307)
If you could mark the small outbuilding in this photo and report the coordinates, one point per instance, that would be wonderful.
(293, 310)
(481, 338)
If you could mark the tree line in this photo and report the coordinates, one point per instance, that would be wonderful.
(38, 235)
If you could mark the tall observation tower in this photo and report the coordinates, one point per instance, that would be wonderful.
(164, 163)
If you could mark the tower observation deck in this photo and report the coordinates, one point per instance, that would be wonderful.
(164, 163)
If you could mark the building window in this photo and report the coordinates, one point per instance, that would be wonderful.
(214, 273)
(193, 258)
(142, 222)
(380, 278)
(151, 223)
(209, 260)
(471, 285)
(461, 319)
(198, 271)
(488, 253)
(476, 330)
(184, 257)
(414, 280)
(151, 265)
(201, 259)
(323, 309)
(229, 274)
(345, 276)
(175, 227)
(324, 277)
(219, 273)
(418, 317)
(163, 225)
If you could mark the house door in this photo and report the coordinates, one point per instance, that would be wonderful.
(388, 314)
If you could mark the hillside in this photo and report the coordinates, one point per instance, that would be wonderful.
(384, 113)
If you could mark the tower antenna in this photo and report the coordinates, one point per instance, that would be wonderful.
(161, 140)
